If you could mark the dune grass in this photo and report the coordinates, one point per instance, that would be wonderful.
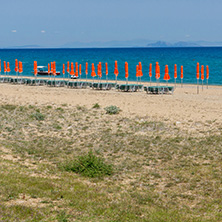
(159, 172)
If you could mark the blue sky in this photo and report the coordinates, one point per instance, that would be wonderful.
(57, 22)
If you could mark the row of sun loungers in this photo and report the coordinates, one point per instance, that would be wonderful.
(93, 85)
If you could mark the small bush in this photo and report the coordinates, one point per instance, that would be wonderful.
(112, 110)
(38, 116)
(96, 106)
(89, 165)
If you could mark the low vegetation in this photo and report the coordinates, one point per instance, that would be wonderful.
(112, 110)
(79, 164)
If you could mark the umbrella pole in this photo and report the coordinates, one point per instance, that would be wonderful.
(202, 85)
(175, 82)
(207, 83)
(150, 80)
(116, 79)
(197, 86)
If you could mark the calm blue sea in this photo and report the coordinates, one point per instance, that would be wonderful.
(188, 57)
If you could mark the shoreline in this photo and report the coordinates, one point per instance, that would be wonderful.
(145, 83)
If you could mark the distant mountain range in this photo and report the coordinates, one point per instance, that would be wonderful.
(176, 44)
(127, 44)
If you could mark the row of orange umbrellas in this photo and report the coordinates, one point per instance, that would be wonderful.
(18, 67)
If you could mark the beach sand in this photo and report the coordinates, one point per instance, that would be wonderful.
(184, 108)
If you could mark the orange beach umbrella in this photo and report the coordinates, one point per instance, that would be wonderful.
(5, 69)
(86, 70)
(175, 71)
(68, 67)
(20, 67)
(63, 69)
(126, 70)
(198, 70)
(54, 68)
(106, 68)
(207, 70)
(157, 70)
(99, 70)
(93, 74)
(77, 74)
(202, 72)
(166, 76)
(8, 67)
(72, 69)
(181, 72)
(48, 68)
(35, 68)
(137, 71)
(140, 73)
(16, 65)
(116, 72)
(150, 70)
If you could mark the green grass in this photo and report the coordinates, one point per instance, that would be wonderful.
(161, 172)
(89, 165)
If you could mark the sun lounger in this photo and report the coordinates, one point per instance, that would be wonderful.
(5, 79)
(159, 89)
(128, 87)
(79, 84)
(56, 83)
(103, 86)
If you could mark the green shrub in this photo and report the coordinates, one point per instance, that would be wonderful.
(112, 110)
(89, 165)
(38, 116)
(96, 106)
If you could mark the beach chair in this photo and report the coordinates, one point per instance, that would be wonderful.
(129, 87)
(103, 86)
(159, 89)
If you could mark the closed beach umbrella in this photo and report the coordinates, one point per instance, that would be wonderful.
(93, 74)
(77, 73)
(68, 67)
(5, 68)
(99, 70)
(166, 76)
(202, 75)
(207, 75)
(150, 72)
(157, 70)
(181, 75)
(126, 72)
(8, 67)
(175, 73)
(116, 72)
(20, 68)
(63, 71)
(198, 76)
(140, 71)
(48, 68)
(16, 66)
(86, 70)
(72, 69)
(35, 68)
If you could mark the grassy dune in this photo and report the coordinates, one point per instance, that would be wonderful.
(160, 172)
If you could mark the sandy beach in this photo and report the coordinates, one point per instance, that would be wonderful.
(184, 107)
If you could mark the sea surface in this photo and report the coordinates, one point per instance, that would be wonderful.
(188, 57)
